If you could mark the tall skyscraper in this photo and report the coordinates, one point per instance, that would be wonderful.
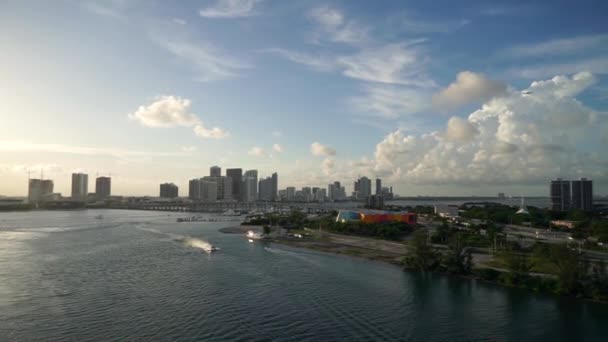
(168, 190)
(80, 186)
(250, 188)
(560, 195)
(103, 187)
(582, 194)
(194, 189)
(252, 192)
(378, 186)
(275, 187)
(363, 188)
(215, 171)
(237, 179)
(265, 189)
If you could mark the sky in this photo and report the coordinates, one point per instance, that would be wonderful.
(436, 98)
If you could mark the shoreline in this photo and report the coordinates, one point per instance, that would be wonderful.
(362, 248)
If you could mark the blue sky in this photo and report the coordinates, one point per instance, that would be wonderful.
(427, 95)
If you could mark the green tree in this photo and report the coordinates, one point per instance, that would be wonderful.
(458, 259)
(267, 230)
(421, 255)
(570, 268)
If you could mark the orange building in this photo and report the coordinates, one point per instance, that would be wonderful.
(375, 216)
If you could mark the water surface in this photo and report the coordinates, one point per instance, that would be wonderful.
(134, 275)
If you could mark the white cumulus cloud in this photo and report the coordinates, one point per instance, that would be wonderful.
(171, 111)
(319, 150)
(519, 138)
(469, 87)
(277, 148)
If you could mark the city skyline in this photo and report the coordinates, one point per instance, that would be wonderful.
(404, 93)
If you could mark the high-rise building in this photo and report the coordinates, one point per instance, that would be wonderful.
(168, 190)
(103, 187)
(275, 186)
(215, 171)
(378, 186)
(375, 202)
(39, 190)
(237, 179)
(290, 193)
(224, 187)
(194, 189)
(80, 186)
(208, 190)
(582, 194)
(250, 187)
(265, 189)
(560, 195)
(363, 188)
(336, 192)
(320, 195)
(252, 193)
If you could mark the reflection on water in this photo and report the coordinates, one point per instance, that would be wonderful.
(141, 276)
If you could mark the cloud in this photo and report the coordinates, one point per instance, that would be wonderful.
(513, 139)
(25, 146)
(460, 130)
(327, 166)
(230, 9)
(256, 151)
(35, 169)
(277, 133)
(469, 87)
(562, 46)
(209, 62)
(319, 150)
(179, 21)
(166, 111)
(188, 149)
(212, 133)
(389, 101)
(318, 63)
(277, 148)
(400, 63)
(171, 111)
(334, 27)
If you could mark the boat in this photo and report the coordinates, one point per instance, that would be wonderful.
(213, 249)
(230, 212)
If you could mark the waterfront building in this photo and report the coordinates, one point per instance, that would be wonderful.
(103, 188)
(501, 196)
(80, 184)
(375, 202)
(560, 195)
(275, 186)
(208, 190)
(215, 171)
(336, 192)
(224, 187)
(265, 189)
(582, 194)
(291, 193)
(39, 190)
(250, 185)
(378, 186)
(283, 195)
(363, 188)
(253, 193)
(168, 190)
(320, 195)
(237, 179)
(194, 189)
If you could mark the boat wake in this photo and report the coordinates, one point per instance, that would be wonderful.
(185, 240)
